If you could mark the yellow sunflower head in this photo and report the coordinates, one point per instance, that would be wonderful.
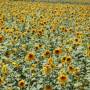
(30, 56)
(71, 69)
(57, 51)
(46, 53)
(48, 87)
(21, 83)
(47, 69)
(1, 38)
(68, 59)
(62, 78)
(63, 60)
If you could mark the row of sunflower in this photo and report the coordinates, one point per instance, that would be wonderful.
(44, 46)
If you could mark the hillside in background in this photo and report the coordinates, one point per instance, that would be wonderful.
(84, 2)
(67, 1)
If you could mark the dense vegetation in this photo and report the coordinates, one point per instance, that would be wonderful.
(44, 46)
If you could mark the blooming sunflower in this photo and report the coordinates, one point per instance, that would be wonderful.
(40, 32)
(1, 80)
(71, 69)
(77, 41)
(46, 53)
(21, 83)
(47, 69)
(57, 51)
(79, 34)
(62, 78)
(68, 59)
(63, 60)
(30, 56)
(5, 69)
(50, 61)
(36, 47)
(77, 70)
(1, 38)
(63, 29)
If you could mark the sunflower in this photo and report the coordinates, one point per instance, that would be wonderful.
(40, 32)
(77, 70)
(63, 60)
(7, 53)
(1, 23)
(1, 64)
(89, 47)
(63, 29)
(71, 69)
(36, 47)
(46, 53)
(62, 78)
(1, 38)
(77, 41)
(24, 47)
(4, 69)
(40, 45)
(88, 51)
(1, 80)
(30, 56)
(79, 34)
(48, 87)
(57, 51)
(50, 61)
(68, 59)
(43, 22)
(21, 83)
(47, 69)
(33, 31)
(15, 65)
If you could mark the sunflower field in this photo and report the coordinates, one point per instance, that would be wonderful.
(44, 46)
